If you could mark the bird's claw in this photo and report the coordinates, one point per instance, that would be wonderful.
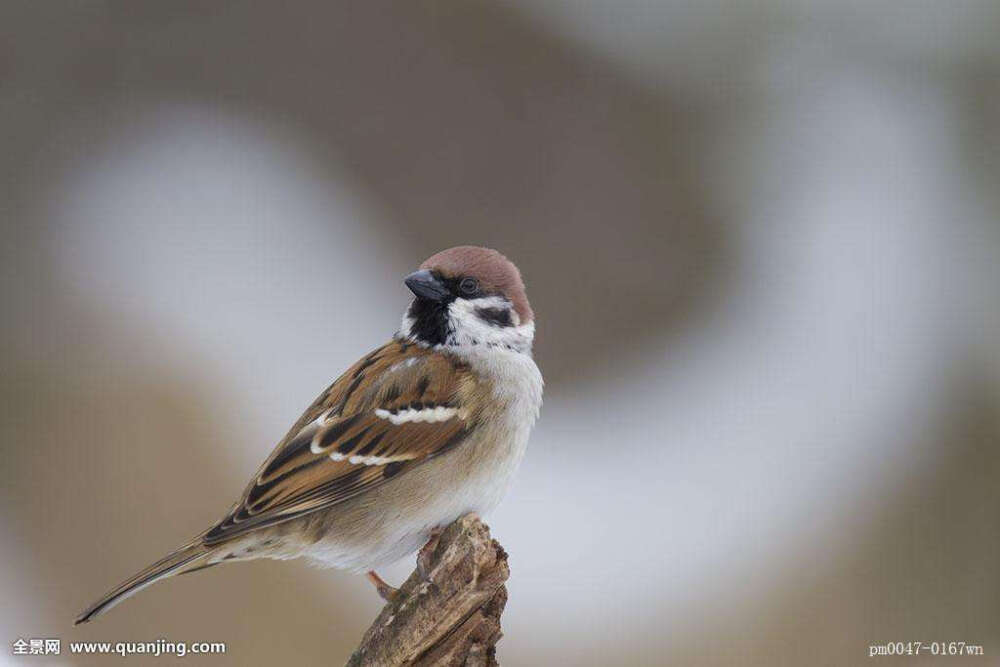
(385, 591)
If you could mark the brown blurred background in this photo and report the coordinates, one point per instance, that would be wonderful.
(761, 240)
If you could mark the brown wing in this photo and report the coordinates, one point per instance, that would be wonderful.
(400, 405)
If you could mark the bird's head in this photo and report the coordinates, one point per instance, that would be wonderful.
(469, 296)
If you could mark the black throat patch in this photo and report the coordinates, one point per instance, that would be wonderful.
(430, 320)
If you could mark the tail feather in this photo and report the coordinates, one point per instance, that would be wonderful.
(180, 560)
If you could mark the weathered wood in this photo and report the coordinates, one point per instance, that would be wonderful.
(448, 611)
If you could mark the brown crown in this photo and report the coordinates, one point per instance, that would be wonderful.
(494, 272)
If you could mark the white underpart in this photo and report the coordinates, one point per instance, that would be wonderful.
(429, 415)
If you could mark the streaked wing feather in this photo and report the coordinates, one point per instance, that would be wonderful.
(341, 447)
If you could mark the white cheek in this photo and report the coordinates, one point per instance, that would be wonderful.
(471, 330)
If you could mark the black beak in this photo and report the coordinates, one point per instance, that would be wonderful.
(426, 286)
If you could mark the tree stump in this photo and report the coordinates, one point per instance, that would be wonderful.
(448, 611)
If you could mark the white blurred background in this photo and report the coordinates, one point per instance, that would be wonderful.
(761, 241)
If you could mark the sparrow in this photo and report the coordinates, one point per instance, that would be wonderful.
(424, 429)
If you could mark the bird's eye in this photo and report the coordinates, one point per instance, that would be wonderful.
(469, 285)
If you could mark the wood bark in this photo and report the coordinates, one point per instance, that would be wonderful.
(448, 611)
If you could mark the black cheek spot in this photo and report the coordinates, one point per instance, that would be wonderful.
(498, 317)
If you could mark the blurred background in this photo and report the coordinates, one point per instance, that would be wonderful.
(761, 240)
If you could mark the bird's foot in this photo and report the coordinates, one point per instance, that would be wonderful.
(387, 592)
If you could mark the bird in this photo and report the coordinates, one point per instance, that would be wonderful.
(426, 428)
